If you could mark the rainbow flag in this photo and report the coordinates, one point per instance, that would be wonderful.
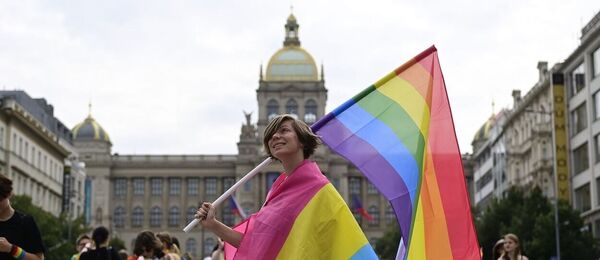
(304, 217)
(399, 133)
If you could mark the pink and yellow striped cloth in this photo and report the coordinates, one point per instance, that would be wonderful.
(304, 217)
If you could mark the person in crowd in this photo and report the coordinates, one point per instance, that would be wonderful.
(291, 142)
(19, 235)
(176, 243)
(498, 249)
(171, 250)
(82, 244)
(102, 251)
(218, 252)
(147, 246)
(512, 248)
(123, 254)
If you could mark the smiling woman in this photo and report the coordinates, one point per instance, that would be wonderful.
(300, 203)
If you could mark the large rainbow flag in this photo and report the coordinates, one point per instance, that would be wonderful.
(399, 133)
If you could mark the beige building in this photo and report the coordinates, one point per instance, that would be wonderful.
(131, 193)
(35, 147)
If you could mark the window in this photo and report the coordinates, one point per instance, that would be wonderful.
(120, 186)
(310, 111)
(228, 217)
(191, 211)
(579, 119)
(271, 177)
(155, 217)
(137, 216)
(190, 246)
(580, 158)
(371, 188)
(597, 105)
(374, 212)
(119, 217)
(272, 109)
(174, 186)
(192, 186)
(209, 243)
(598, 192)
(597, 148)
(248, 186)
(291, 107)
(390, 215)
(174, 216)
(577, 79)
(227, 183)
(354, 185)
(210, 187)
(596, 62)
(138, 186)
(156, 186)
(2, 137)
(583, 198)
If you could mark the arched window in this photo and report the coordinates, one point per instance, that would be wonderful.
(310, 111)
(174, 216)
(190, 246)
(291, 107)
(390, 215)
(272, 109)
(155, 217)
(209, 243)
(137, 216)
(374, 212)
(191, 211)
(119, 217)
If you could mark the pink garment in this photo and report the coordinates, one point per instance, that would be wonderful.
(265, 232)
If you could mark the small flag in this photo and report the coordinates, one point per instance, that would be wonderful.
(358, 208)
(236, 209)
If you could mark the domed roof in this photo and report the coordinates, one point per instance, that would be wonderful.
(484, 132)
(291, 63)
(89, 130)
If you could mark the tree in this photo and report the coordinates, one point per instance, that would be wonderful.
(387, 246)
(54, 230)
(531, 217)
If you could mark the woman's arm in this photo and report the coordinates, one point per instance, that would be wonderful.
(206, 214)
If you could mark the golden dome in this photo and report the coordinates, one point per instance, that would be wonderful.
(291, 63)
(89, 130)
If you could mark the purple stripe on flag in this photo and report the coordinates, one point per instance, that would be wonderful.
(374, 166)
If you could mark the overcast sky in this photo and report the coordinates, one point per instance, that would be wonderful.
(173, 77)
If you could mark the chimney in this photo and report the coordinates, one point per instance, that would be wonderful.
(516, 94)
(543, 69)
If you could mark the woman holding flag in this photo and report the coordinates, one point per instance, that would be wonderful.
(304, 217)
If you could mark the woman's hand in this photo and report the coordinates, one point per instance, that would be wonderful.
(206, 215)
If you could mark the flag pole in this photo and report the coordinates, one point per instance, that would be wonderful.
(231, 190)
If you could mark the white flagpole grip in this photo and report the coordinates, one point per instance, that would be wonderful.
(231, 190)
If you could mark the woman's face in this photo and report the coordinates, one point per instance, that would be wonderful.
(510, 245)
(285, 141)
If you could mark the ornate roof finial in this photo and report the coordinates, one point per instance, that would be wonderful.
(260, 73)
(493, 107)
(90, 109)
(322, 72)
(291, 9)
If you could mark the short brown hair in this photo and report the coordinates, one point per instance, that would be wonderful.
(146, 241)
(5, 187)
(307, 138)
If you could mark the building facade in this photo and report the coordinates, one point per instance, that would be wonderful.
(582, 79)
(131, 193)
(35, 147)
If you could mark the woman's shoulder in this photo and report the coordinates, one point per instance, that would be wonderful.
(524, 257)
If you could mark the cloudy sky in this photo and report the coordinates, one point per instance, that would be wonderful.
(173, 77)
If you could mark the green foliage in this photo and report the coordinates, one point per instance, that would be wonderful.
(54, 230)
(531, 218)
(387, 246)
(117, 244)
